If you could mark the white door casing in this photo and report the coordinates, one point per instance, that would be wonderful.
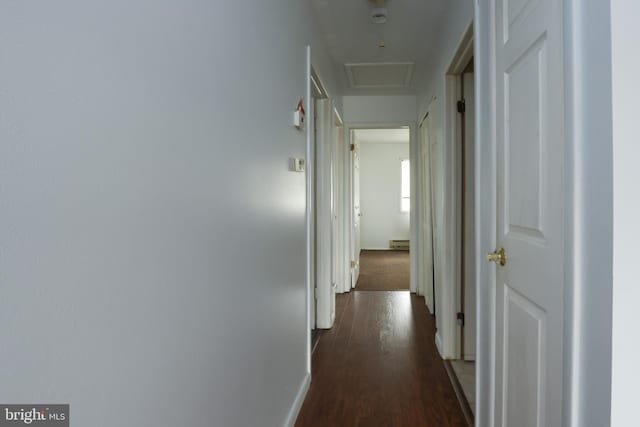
(311, 208)
(332, 131)
(346, 210)
(436, 178)
(417, 204)
(468, 234)
(355, 168)
(529, 161)
(339, 188)
(352, 191)
(446, 168)
(333, 143)
(426, 285)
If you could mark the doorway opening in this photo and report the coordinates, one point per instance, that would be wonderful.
(323, 165)
(381, 201)
(321, 206)
(450, 164)
(464, 368)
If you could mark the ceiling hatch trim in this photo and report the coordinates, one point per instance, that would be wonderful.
(364, 75)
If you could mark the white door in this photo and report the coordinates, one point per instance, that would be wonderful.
(530, 226)
(356, 215)
(324, 213)
(427, 241)
(469, 242)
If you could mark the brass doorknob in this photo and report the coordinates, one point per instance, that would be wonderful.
(499, 256)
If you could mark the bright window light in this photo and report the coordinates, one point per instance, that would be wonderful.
(405, 189)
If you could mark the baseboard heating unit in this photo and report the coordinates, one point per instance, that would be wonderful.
(399, 245)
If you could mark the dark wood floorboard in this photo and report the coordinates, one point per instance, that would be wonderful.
(378, 366)
(383, 271)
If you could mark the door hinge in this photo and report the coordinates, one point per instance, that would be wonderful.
(352, 147)
(460, 319)
(461, 106)
(353, 264)
(315, 293)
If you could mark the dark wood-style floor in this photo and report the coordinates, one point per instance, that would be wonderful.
(378, 366)
(383, 271)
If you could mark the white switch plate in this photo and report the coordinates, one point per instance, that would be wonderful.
(297, 165)
(298, 119)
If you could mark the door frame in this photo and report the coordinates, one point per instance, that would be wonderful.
(309, 203)
(466, 158)
(321, 124)
(311, 196)
(354, 261)
(341, 213)
(414, 153)
(448, 334)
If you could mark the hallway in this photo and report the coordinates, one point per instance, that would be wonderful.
(188, 186)
(379, 366)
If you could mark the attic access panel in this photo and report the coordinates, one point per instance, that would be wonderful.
(379, 74)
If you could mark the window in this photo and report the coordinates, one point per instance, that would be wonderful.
(405, 186)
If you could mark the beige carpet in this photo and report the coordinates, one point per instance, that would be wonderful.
(383, 271)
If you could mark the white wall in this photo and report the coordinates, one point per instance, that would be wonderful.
(380, 185)
(152, 253)
(458, 17)
(485, 213)
(589, 213)
(431, 98)
(379, 109)
(626, 211)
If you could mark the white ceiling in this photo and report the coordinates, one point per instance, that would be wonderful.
(381, 135)
(378, 74)
(351, 37)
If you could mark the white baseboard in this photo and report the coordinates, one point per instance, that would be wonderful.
(298, 401)
(439, 344)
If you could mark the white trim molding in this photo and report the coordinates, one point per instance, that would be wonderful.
(292, 415)
(414, 153)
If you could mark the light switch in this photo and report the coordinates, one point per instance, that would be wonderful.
(297, 165)
(298, 119)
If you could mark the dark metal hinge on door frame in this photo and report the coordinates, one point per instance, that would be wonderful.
(461, 106)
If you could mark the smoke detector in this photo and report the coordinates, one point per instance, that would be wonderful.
(379, 15)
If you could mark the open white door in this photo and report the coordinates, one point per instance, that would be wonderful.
(324, 203)
(530, 225)
(355, 244)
